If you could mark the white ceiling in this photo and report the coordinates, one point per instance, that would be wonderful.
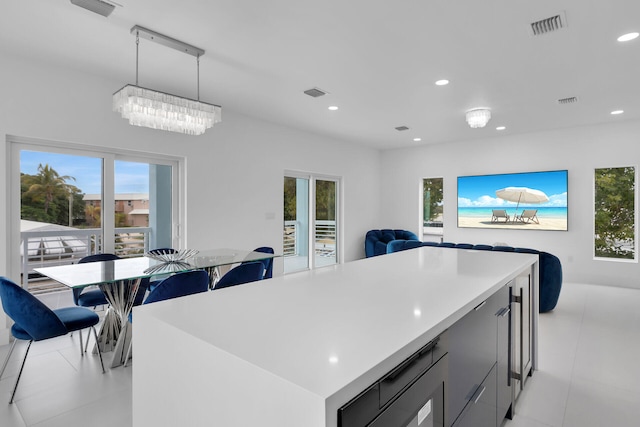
(378, 59)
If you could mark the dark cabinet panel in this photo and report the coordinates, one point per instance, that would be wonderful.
(472, 351)
(481, 410)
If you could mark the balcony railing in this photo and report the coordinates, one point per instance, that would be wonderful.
(62, 247)
(324, 238)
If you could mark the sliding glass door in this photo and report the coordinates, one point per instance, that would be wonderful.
(76, 202)
(310, 222)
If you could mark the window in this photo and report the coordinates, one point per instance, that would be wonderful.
(614, 213)
(310, 200)
(72, 203)
(432, 208)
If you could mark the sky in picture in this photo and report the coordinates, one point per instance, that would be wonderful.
(131, 177)
(480, 191)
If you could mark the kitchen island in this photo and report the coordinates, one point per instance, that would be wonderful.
(292, 350)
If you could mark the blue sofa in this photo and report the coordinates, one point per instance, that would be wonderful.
(550, 268)
(376, 241)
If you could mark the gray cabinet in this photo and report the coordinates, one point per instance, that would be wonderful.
(481, 409)
(473, 355)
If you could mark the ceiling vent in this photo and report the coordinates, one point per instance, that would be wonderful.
(570, 100)
(548, 25)
(401, 128)
(315, 92)
(100, 7)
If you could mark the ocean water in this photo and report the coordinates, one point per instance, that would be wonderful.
(484, 212)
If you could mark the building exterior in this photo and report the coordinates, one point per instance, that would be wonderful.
(132, 209)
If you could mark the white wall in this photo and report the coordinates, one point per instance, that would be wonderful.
(234, 171)
(578, 150)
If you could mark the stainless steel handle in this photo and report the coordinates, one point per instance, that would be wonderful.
(506, 311)
(479, 395)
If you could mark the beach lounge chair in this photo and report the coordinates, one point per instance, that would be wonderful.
(499, 214)
(528, 215)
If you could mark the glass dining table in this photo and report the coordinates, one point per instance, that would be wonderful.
(120, 280)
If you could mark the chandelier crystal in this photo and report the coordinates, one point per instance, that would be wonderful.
(478, 117)
(158, 110)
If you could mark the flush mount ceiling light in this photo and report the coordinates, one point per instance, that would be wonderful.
(478, 117)
(159, 110)
(628, 37)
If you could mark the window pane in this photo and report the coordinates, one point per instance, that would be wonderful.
(614, 234)
(296, 224)
(432, 214)
(325, 227)
(60, 218)
(142, 203)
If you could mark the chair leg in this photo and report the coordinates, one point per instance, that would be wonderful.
(86, 344)
(95, 335)
(20, 373)
(6, 361)
(81, 346)
(126, 359)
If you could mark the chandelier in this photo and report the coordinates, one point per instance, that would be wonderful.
(159, 110)
(478, 117)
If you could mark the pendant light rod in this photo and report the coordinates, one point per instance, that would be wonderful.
(145, 33)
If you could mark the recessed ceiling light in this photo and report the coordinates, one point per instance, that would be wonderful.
(333, 108)
(442, 82)
(628, 36)
(417, 139)
(501, 128)
(616, 112)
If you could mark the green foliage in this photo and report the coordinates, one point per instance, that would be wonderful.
(432, 198)
(615, 212)
(46, 196)
(325, 200)
(289, 198)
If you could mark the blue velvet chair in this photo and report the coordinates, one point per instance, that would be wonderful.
(34, 321)
(550, 271)
(175, 286)
(267, 263)
(376, 241)
(83, 297)
(244, 273)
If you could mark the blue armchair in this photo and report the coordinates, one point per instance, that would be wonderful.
(34, 321)
(376, 241)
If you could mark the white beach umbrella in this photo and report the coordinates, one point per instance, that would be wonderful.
(522, 195)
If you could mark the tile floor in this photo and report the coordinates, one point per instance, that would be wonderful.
(589, 372)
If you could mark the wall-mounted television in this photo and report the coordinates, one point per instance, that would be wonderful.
(525, 201)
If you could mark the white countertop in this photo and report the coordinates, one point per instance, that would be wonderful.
(335, 330)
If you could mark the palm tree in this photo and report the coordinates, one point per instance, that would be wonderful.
(48, 184)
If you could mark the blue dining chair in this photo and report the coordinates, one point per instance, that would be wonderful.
(267, 263)
(95, 297)
(178, 285)
(34, 321)
(83, 297)
(244, 273)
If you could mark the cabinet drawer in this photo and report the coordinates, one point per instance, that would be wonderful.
(481, 409)
(472, 351)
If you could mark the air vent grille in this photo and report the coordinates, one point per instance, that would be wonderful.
(98, 6)
(569, 100)
(548, 25)
(401, 128)
(315, 92)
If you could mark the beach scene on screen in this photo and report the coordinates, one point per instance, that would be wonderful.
(534, 200)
